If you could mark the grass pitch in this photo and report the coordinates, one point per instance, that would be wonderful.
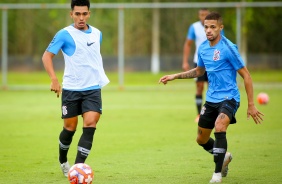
(145, 135)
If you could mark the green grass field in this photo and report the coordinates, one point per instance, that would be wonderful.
(146, 134)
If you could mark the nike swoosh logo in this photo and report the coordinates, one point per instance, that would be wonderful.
(89, 44)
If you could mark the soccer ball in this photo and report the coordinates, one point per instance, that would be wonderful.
(263, 98)
(80, 174)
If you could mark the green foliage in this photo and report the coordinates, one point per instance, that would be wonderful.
(264, 37)
(30, 31)
(146, 135)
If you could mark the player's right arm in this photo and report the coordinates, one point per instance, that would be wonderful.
(193, 73)
(47, 60)
(186, 52)
(187, 48)
(54, 47)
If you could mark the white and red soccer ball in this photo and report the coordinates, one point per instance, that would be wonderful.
(263, 98)
(80, 173)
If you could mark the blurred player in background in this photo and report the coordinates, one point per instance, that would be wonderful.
(196, 33)
(221, 59)
(83, 79)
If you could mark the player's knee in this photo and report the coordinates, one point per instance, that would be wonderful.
(70, 126)
(90, 119)
(220, 127)
(200, 140)
(221, 123)
(90, 124)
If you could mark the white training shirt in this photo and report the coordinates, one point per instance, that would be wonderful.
(197, 33)
(84, 68)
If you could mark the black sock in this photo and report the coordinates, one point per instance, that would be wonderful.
(219, 150)
(208, 146)
(85, 144)
(199, 100)
(64, 144)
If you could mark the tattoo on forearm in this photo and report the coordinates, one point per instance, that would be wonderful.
(187, 75)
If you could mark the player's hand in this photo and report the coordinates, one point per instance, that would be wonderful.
(166, 78)
(56, 87)
(256, 115)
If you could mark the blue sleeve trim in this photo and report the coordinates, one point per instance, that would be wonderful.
(57, 42)
(234, 54)
(191, 33)
(64, 41)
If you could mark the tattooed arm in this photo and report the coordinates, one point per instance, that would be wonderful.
(193, 73)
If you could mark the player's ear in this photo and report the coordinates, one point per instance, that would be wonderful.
(71, 14)
(221, 27)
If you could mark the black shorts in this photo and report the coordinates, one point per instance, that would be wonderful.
(203, 78)
(210, 112)
(75, 103)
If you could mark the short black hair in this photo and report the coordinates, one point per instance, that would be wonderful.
(204, 9)
(214, 16)
(80, 3)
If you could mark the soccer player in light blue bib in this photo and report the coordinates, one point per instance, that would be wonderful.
(220, 58)
(84, 76)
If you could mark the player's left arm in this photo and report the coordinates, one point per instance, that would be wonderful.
(252, 110)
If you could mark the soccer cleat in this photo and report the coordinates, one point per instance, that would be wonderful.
(65, 168)
(197, 119)
(227, 160)
(216, 178)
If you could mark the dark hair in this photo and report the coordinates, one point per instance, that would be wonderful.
(80, 3)
(204, 9)
(214, 16)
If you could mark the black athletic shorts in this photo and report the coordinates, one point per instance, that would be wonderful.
(210, 111)
(203, 78)
(75, 103)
